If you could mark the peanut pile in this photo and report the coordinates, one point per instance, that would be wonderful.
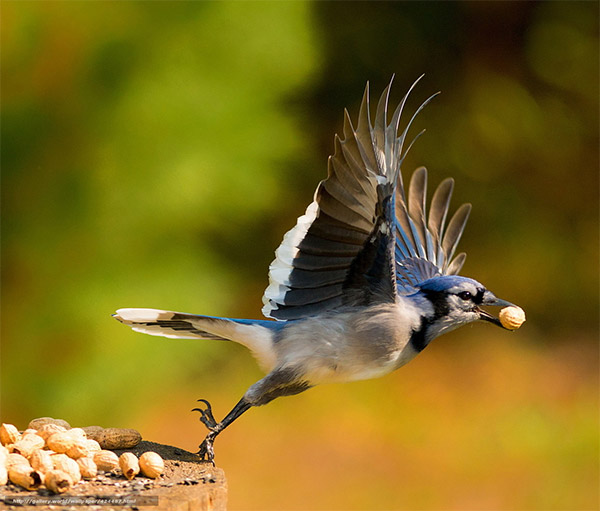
(51, 453)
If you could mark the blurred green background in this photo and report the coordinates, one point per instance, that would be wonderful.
(154, 153)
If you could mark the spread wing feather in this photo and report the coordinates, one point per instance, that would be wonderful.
(424, 248)
(361, 241)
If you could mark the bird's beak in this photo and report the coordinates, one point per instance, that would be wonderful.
(490, 299)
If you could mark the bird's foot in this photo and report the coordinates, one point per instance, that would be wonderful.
(206, 450)
(206, 416)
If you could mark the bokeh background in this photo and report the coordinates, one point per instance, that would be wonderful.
(154, 153)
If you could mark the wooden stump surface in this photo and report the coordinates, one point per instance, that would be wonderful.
(188, 484)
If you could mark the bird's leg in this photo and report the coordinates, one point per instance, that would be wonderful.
(206, 450)
(280, 382)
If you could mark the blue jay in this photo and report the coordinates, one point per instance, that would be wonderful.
(362, 284)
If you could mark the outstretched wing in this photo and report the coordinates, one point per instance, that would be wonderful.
(341, 251)
(425, 246)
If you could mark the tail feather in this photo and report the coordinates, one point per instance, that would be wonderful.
(256, 335)
(175, 325)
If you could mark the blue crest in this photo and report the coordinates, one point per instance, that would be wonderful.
(443, 283)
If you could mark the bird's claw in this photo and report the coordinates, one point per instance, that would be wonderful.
(206, 416)
(206, 450)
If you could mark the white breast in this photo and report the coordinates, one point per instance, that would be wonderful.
(361, 344)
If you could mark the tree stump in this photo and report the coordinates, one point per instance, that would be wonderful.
(188, 484)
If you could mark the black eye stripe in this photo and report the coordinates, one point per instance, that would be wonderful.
(478, 298)
(467, 295)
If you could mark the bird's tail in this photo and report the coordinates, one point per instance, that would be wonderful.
(256, 335)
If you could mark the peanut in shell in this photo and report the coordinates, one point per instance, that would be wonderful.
(41, 461)
(151, 464)
(512, 317)
(47, 430)
(16, 459)
(9, 434)
(79, 449)
(41, 421)
(3, 454)
(27, 444)
(24, 476)
(129, 465)
(57, 481)
(106, 460)
(60, 442)
(77, 433)
(119, 438)
(92, 446)
(87, 467)
(68, 465)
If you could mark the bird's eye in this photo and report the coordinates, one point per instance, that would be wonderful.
(465, 295)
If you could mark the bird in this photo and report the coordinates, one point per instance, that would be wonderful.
(363, 282)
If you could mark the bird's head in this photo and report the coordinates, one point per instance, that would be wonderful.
(457, 301)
